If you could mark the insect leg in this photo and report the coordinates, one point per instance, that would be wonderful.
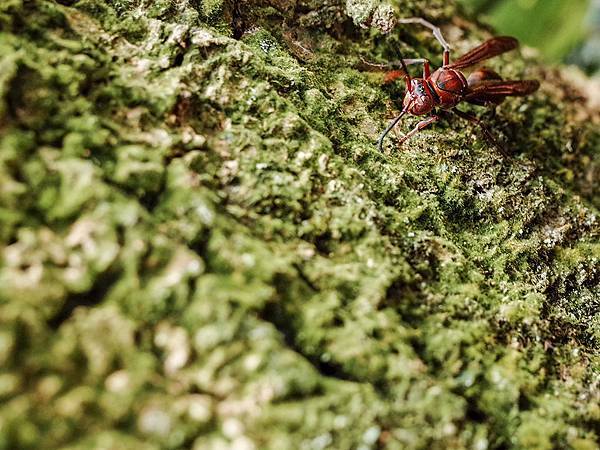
(437, 33)
(422, 124)
(488, 134)
(407, 62)
(392, 64)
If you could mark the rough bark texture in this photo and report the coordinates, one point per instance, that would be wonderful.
(201, 246)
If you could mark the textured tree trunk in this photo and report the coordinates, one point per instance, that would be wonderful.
(202, 247)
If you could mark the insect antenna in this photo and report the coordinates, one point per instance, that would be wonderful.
(404, 110)
(404, 68)
(392, 125)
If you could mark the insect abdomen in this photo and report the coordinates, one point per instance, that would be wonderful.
(477, 78)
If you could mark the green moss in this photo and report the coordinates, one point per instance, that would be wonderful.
(203, 248)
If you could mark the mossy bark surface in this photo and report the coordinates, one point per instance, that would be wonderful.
(201, 246)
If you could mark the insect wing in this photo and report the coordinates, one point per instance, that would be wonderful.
(489, 49)
(495, 88)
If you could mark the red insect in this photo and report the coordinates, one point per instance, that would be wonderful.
(448, 86)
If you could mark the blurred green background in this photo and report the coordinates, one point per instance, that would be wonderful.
(563, 30)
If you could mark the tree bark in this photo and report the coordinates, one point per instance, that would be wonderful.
(202, 246)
